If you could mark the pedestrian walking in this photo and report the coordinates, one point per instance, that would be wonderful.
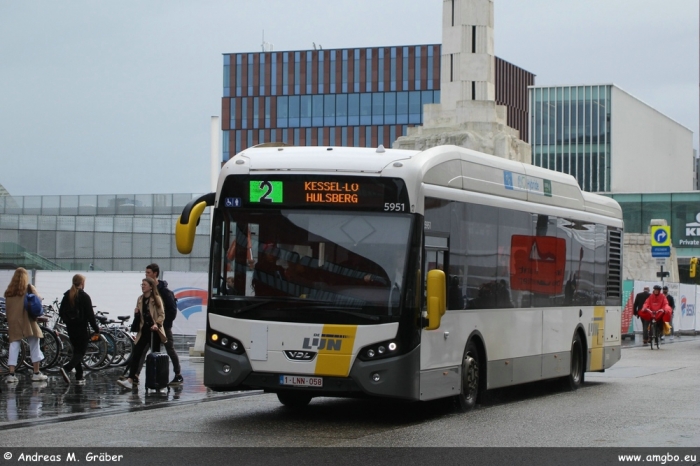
(170, 308)
(149, 306)
(76, 313)
(671, 303)
(22, 326)
(639, 301)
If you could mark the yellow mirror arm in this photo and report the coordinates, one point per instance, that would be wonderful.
(188, 220)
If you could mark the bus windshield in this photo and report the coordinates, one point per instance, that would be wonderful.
(350, 262)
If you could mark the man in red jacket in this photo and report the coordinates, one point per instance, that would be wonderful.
(657, 301)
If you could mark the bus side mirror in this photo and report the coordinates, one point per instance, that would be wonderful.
(188, 221)
(436, 298)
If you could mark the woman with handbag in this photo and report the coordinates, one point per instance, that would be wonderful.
(76, 312)
(149, 307)
(21, 325)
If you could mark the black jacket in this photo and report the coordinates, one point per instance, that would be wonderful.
(78, 327)
(671, 301)
(639, 301)
(169, 303)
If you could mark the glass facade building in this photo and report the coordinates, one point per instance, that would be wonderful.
(359, 97)
(98, 232)
(570, 133)
(680, 210)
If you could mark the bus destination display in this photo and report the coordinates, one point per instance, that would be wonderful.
(388, 195)
(314, 192)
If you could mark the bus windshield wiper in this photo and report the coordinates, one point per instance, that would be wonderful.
(348, 310)
(250, 307)
(342, 310)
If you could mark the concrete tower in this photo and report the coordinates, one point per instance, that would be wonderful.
(467, 115)
(468, 59)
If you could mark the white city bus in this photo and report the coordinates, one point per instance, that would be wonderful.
(411, 275)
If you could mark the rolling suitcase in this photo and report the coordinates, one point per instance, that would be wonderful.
(157, 369)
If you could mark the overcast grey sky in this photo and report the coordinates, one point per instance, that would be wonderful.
(115, 97)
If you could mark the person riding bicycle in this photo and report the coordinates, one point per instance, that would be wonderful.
(655, 302)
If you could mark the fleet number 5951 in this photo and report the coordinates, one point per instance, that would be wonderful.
(394, 207)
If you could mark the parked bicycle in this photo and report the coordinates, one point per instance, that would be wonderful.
(121, 342)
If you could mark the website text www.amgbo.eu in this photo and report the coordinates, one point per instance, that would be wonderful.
(660, 459)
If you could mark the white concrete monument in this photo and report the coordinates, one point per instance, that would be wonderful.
(467, 114)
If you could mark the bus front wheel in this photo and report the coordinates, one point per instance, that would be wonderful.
(293, 399)
(576, 372)
(470, 378)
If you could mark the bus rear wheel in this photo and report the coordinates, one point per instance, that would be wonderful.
(576, 372)
(470, 379)
(294, 399)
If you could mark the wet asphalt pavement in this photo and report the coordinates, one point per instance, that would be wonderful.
(28, 403)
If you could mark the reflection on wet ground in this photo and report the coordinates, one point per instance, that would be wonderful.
(27, 400)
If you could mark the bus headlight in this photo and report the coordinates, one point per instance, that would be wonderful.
(225, 342)
(384, 349)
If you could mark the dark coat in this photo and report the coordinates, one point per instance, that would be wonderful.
(169, 304)
(671, 301)
(639, 301)
(78, 328)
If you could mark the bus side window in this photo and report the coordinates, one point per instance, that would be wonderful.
(455, 300)
(434, 259)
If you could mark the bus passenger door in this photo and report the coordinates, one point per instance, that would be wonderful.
(437, 378)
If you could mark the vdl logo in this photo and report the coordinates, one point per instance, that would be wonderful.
(300, 355)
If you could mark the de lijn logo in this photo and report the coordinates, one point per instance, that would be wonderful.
(692, 230)
(325, 342)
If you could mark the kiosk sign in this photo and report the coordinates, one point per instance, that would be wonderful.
(692, 233)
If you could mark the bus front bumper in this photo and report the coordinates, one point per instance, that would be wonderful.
(399, 376)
